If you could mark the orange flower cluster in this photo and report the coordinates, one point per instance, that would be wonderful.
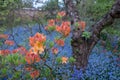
(34, 74)
(31, 58)
(64, 28)
(4, 36)
(59, 42)
(54, 50)
(9, 42)
(64, 60)
(37, 43)
(51, 24)
(14, 51)
(62, 13)
(5, 52)
(28, 68)
(21, 50)
(82, 25)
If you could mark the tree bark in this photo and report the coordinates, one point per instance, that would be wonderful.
(82, 47)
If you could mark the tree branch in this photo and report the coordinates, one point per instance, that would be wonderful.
(108, 19)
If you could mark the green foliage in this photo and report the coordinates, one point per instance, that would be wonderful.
(51, 44)
(112, 31)
(58, 59)
(27, 3)
(58, 17)
(76, 24)
(51, 28)
(45, 72)
(16, 75)
(27, 76)
(9, 64)
(72, 59)
(8, 17)
(94, 8)
(4, 70)
(103, 36)
(51, 6)
(100, 7)
(13, 59)
(86, 34)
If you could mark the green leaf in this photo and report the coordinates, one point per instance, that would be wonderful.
(76, 24)
(11, 1)
(59, 17)
(59, 60)
(51, 44)
(27, 76)
(86, 34)
(4, 70)
(1, 43)
(17, 75)
(47, 72)
(71, 59)
(51, 28)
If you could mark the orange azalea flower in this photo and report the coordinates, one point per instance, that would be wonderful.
(39, 37)
(37, 50)
(14, 51)
(9, 42)
(34, 74)
(37, 43)
(57, 20)
(82, 25)
(62, 13)
(4, 36)
(22, 50)
(38, 47)
(31, 58)
(67, 23)
(60, 42)
(28, 68)
(54, 50)
(0, 52)
(5, 52)
(51, 22)
(31, 41)
(64, 59)
(33, 50)
(64, 28)
(58, 28)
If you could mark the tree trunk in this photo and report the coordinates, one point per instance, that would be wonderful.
(81, 50)
(82, 47)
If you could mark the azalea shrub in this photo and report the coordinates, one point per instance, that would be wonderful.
(42, 59)
(45, 53)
